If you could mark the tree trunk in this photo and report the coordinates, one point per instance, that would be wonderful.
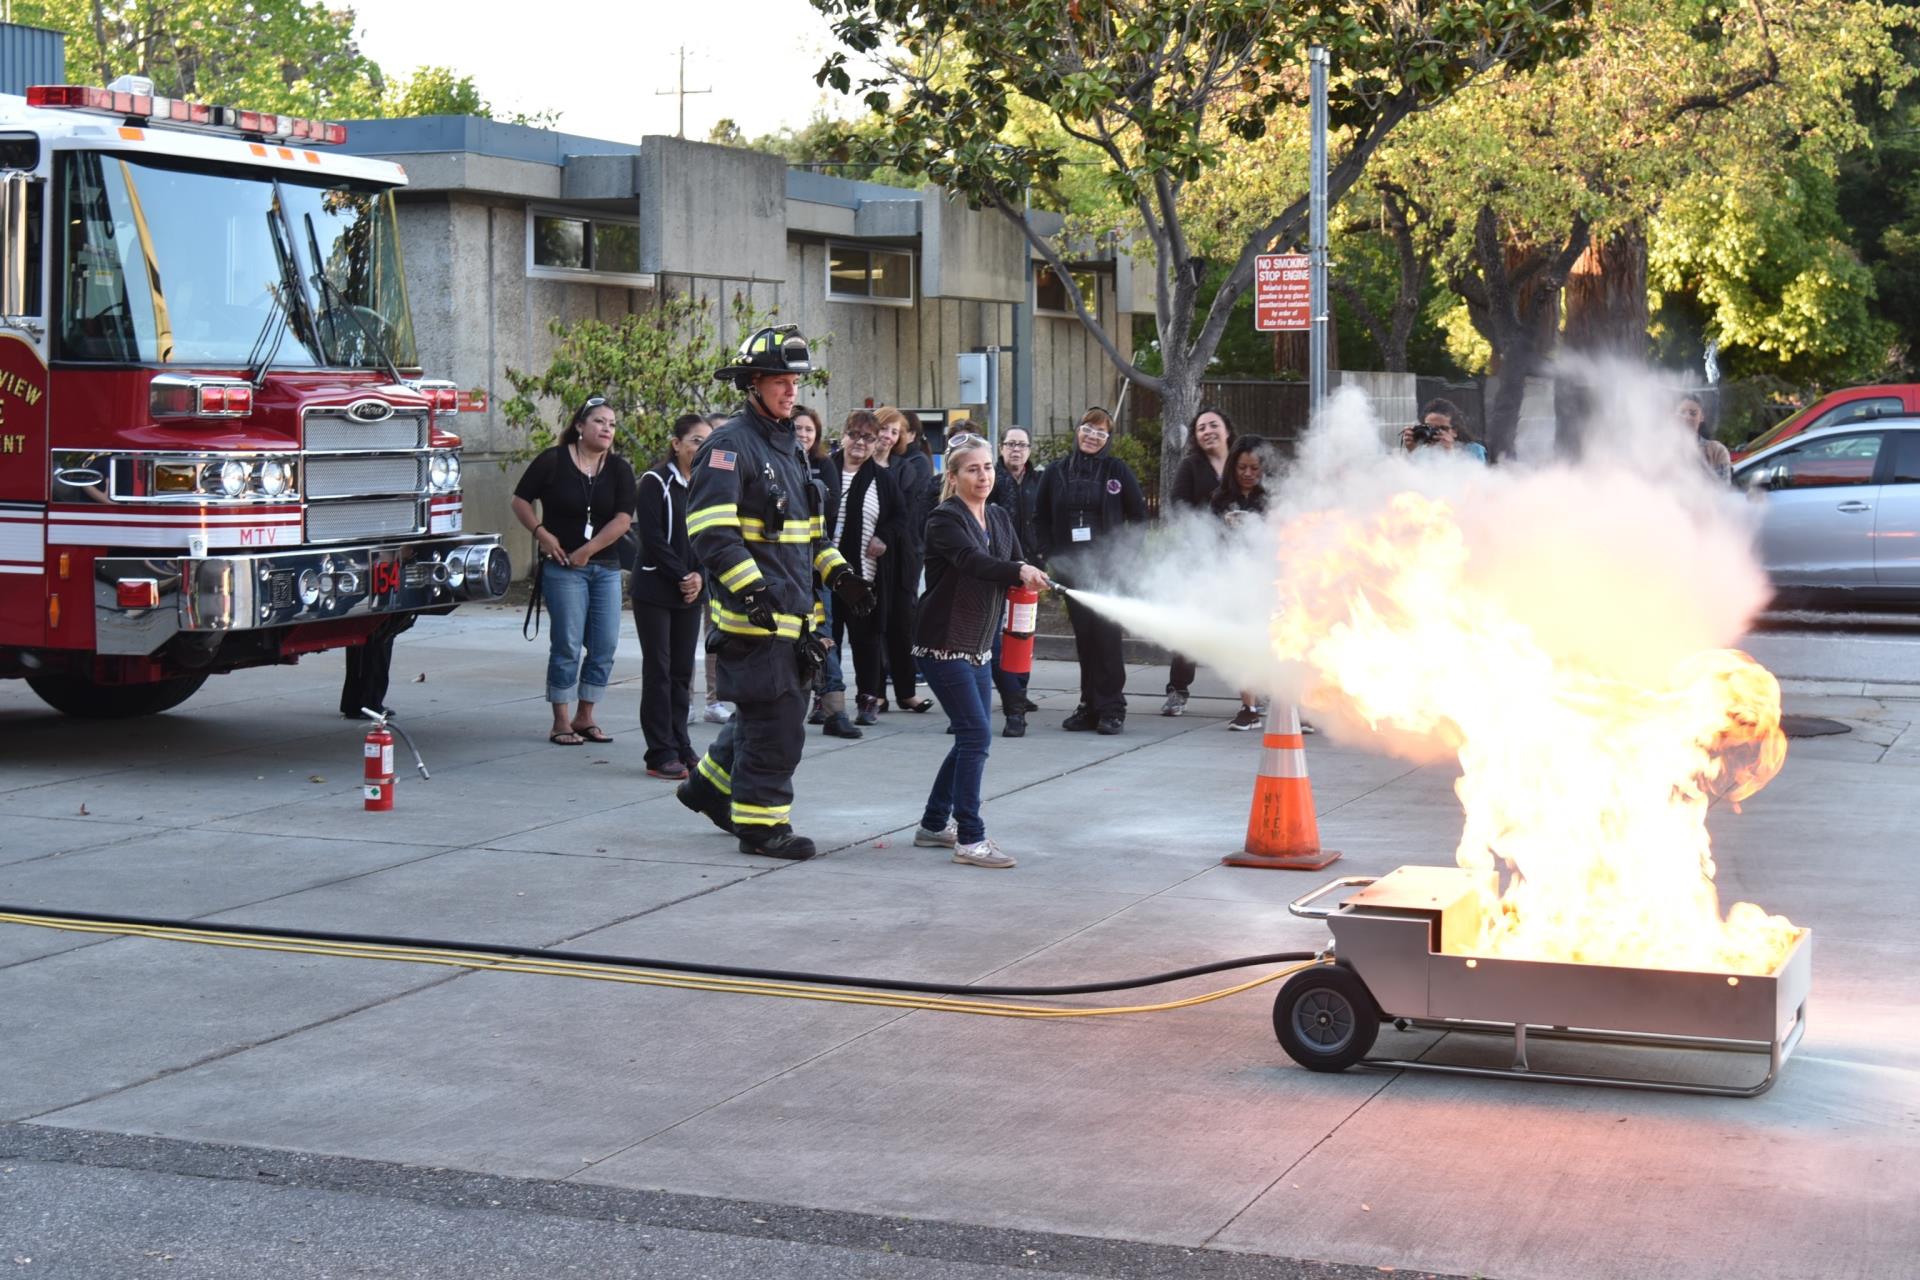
(1179, 401)
(1607, 297)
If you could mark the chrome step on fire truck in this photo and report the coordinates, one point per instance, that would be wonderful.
(216, 448)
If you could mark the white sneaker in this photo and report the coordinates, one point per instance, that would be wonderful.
(945, 838)
(719, 712)
(693, 714)
(984, 854)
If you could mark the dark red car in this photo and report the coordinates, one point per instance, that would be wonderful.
(1837, 408)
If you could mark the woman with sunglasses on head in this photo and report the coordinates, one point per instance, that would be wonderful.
(865, 525)
(666, 587)
(1195, 481)
(1086, 500)
(973, 556)
(586, 494)
(910, 463)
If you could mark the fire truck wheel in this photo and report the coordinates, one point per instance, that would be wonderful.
(1326, 1018)
(79, 696)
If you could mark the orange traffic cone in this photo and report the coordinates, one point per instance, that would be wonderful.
(1281, 831)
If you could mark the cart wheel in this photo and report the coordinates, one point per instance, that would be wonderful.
(1326, 1018)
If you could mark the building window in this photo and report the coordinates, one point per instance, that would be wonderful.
(856, 274)
(1050, 294)
(565, 244)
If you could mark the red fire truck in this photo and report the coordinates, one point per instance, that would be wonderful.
(216, 448)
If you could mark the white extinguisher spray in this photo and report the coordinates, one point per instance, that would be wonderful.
(1016, 641)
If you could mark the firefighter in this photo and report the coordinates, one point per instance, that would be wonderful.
(755, 517)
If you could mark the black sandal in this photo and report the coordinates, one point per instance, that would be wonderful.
(593, 733)
(560, 738)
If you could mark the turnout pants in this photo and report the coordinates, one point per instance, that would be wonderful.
(753, 759)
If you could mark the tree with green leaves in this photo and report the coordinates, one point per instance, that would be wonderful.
(1161, 93)
(290, 56)
(652, 366)
(1555, 187)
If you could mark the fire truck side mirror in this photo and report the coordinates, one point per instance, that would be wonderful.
(13, 248)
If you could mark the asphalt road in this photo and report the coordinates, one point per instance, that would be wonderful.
(1869, 648)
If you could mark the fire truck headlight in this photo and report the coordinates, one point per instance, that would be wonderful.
(276, 477)
(233, 477)
(309, 588)
(453, 471)
(437, 471)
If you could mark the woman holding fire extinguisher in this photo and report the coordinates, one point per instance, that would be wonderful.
(973, 556)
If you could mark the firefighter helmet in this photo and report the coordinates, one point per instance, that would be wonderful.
(770, 349)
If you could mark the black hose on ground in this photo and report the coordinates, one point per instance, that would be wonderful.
(670, 966)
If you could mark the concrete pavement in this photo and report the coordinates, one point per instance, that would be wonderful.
(1187, 1130)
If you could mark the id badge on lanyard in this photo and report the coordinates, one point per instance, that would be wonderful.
(1082, 531)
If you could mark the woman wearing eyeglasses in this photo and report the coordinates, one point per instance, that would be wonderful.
(1087, 499)
(973, 556)
(586, 494)
(865, 525)
(908, 458)
(1016, 487)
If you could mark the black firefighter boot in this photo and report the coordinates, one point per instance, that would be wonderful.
(701, 796)
(837, 725)
(777, 841)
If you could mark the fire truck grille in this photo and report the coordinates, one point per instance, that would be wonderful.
(367, 518)
(336, 433)
(364, 477)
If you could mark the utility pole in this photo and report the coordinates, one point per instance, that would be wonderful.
(1317, 234)
(681, 91)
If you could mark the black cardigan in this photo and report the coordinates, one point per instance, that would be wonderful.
(665, 554)
(1098, 489)
(1194, 481)
(968, 572)
(1019, 497)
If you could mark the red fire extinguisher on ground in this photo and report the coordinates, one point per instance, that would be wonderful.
(1016, 643)
(376, 787)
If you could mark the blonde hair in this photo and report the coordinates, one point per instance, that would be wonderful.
(888, 416)
(950, 478)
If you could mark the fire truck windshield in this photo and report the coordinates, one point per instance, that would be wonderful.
(170, 262)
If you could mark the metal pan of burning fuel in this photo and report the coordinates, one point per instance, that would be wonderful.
(1402, 953)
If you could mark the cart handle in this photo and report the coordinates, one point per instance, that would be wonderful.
(1300, 908)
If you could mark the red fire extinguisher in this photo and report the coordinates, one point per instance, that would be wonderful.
(377, 784)
(1016, 644)
(377, 787)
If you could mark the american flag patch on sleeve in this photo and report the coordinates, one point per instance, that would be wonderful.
(720, 460)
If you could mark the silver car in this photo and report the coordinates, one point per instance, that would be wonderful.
(1842, 522)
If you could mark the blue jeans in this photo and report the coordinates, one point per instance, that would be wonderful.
(966, 695)
(836, 679)
(584, 605)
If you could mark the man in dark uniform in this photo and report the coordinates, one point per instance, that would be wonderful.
(754, 516)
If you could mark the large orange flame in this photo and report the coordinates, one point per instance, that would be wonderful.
(1584, 792)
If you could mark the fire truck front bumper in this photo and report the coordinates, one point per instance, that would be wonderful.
(141, 603)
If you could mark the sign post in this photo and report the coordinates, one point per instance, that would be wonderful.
(1317, 233)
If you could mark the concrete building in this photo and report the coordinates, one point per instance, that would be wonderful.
(506, 228)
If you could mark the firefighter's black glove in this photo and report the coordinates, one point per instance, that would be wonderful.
(810, 651)
(758, 608)
(852, 590)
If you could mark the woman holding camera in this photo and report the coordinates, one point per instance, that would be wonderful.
(586, 496)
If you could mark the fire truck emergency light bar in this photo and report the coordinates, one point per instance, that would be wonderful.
(146, 106)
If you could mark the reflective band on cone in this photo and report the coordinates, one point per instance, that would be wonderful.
(1282, 834)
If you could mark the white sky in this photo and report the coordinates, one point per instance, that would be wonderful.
(599, 64)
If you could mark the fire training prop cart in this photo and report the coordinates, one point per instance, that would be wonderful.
(1387, 964)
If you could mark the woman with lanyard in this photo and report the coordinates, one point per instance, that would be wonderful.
(1016, 486)
(1086, 500)
(586, 496)
(910, 463)
(865, 526)
(666, 591)
(1209, 437)
(973, 556)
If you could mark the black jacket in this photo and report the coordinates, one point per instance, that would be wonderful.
(745, 470)
(968, 572)
(1194, 481)
(1019, 497)
(666, 556)
(913, 479)
(1094, 491)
